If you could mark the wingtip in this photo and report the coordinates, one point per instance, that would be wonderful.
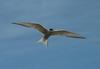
(83, 37)
(13, 23)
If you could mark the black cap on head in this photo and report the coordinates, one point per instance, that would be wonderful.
(51, 29)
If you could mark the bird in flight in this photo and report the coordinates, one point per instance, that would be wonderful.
(47, 33)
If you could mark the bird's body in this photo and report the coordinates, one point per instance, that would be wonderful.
(48, 33)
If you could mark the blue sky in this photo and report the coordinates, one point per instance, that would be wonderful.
(18, 45)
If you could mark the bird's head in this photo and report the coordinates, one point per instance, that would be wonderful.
(51, 29)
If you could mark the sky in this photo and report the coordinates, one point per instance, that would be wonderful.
(18, 45)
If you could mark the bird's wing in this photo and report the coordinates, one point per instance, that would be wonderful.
(67, 33)
(33, 25)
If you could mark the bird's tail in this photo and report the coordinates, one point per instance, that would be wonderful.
(44, 41)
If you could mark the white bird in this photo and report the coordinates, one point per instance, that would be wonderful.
(48, 33)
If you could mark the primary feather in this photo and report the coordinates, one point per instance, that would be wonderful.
(33, 25)
(66, 33)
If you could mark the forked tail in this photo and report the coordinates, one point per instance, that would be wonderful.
(44, 41)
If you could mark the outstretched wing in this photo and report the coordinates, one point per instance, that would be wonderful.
(33, 25)
(67, 33)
